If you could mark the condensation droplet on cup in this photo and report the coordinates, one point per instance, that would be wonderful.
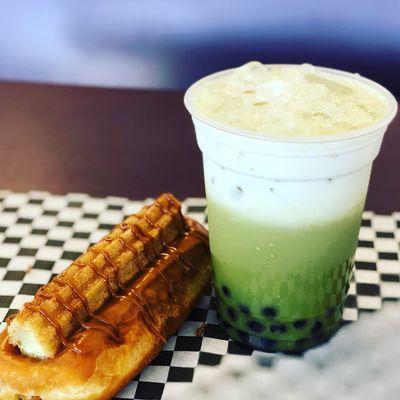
(258, 248)
(270, 244)
(272, 256)
(251, 211)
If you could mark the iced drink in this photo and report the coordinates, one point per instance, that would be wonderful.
(287, 154)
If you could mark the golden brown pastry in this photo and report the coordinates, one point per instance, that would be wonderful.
(89, 338)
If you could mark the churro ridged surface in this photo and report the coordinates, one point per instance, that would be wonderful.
(61, 307)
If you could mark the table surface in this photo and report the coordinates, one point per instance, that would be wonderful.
(124, 142)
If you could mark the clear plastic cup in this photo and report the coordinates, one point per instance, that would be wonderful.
(284, 215)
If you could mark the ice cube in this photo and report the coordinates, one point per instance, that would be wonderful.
(270, 91)
(289, 100)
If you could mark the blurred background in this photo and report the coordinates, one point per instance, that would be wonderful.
(171, 43)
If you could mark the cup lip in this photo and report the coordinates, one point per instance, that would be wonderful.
(340, 136)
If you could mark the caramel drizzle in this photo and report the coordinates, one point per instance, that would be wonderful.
(181, 256)
(163, 209)
(174, 207)
(200, 233)
(146, 239)
(116, 336)
(85, 304)
(61, 303)
(110, 262)
(154, 226)
(172, 203)
(10, 318)
(165, 255)
(184, 260)
(105, 277)
(170, 286)
(147, 315)
(126, 245)
(88, 325)
(51, 321)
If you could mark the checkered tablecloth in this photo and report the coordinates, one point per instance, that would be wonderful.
(41, 233)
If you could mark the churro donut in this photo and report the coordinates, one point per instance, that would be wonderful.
(111, 340)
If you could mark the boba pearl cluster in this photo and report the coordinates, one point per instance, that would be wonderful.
(360, 362)
(268, 333)
(297, 100)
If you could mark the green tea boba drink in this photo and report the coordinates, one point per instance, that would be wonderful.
(287, 153)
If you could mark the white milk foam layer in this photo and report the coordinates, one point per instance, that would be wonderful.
(294, 100)
(286, 184)
(286, 203)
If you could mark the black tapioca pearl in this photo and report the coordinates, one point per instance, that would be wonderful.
(281, 328)
(300, 343)
(273, 328)
(224, 324)
(268, 344)
(269, 312)
(226, 291)
(244, 309)
(293, 351)
(300, 323)
(330, 311)
(319, 337)
(316, 327)
(255, 326)
(232, 313)
(243, 336)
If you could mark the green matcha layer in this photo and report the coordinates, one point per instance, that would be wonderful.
(280, 282)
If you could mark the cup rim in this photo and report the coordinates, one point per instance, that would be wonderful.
(340, 136)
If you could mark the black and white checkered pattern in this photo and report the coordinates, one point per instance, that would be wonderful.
(41, 233)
